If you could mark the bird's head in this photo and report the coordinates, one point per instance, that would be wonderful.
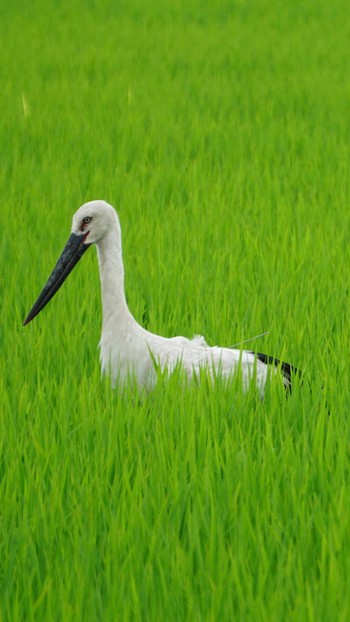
(90, 224)
(93, 220)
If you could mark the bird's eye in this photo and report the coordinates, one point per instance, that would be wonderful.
(84, 222)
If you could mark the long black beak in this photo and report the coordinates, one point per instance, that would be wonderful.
(72, 252)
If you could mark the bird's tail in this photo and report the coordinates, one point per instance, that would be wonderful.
(287, 370)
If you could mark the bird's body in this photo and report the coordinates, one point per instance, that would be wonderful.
(127, 349)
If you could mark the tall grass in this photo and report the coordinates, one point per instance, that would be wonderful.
(220, 132)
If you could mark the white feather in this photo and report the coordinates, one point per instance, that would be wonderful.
(126, 347)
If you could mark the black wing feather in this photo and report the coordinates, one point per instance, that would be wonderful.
(286, 369)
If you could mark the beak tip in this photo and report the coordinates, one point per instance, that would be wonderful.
(28, 318)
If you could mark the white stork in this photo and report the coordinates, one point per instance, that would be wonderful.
(126, 347)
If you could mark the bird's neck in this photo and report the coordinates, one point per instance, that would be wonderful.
(115, 312)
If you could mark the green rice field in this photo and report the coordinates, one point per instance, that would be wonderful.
(220, 131)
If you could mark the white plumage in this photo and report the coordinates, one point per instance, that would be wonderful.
(126, 347)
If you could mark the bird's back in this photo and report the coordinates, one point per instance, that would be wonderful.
(195, 354)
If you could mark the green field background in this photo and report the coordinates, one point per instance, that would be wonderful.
(220, 131)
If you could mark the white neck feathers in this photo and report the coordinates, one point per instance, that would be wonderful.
(115, 312)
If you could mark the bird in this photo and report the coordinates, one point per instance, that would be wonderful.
(126, 348)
